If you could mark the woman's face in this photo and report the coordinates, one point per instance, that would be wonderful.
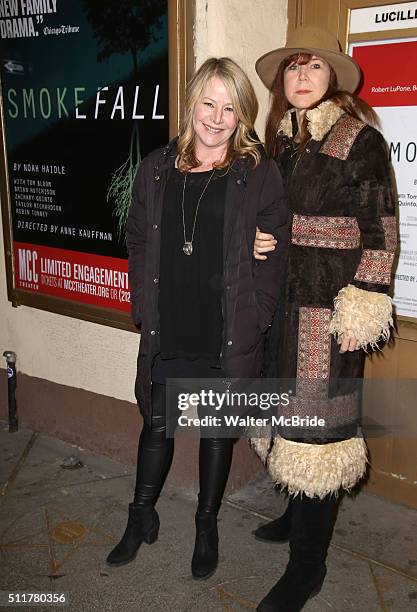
(214, 118)
(306, 84)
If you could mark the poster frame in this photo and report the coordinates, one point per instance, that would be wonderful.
(404, 323)
(181, 15)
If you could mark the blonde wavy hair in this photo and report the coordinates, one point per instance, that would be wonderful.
(243, 142)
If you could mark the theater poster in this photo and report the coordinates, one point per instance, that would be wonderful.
(390, 86)
(84, 98)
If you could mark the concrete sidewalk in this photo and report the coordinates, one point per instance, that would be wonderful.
(57, 525)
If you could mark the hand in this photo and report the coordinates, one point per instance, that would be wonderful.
(264, 243)
(348, 342)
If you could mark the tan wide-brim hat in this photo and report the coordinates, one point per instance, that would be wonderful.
(309, 39)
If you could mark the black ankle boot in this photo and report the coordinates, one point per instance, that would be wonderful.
(277, 530)
(298, 584)
(142, 526)
(206, 555)
(311, 529)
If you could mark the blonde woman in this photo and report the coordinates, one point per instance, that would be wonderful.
(202, 308)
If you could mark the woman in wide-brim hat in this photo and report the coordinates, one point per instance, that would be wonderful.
(343, 239)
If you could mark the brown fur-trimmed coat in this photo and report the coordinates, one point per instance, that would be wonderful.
(343, 240)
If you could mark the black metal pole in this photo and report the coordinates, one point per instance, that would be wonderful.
(11, 387)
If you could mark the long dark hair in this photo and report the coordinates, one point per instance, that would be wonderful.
(350, 103)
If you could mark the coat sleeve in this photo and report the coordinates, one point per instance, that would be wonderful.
(364, 306)
(136, 232)
(272, 218)
(375, 213)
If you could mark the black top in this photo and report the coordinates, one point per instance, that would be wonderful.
(190, 286)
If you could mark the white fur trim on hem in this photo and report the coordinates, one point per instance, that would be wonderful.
(315, 470)
(367, 314)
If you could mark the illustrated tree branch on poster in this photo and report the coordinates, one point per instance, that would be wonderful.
(128, 26)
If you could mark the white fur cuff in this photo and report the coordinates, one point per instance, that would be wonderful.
(316, 470)
(367, 314)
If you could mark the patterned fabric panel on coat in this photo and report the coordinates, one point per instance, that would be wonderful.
(339, 413)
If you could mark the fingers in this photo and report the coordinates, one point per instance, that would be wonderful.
(348, 342)
(352, 345)
(257, 251)
(262, 247)
(344, 343)
(261, 236)
(264, 243)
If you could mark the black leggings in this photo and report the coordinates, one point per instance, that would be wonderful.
(155, 454)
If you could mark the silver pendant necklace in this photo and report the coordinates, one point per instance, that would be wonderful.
(188, 244)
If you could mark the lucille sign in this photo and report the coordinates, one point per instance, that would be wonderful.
(85, 98)
(397, 16)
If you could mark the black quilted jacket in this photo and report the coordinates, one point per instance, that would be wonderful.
(254, 197)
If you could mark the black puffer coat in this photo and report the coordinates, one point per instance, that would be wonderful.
(254, 197)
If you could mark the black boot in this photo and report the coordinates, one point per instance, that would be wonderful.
(155, 452)
(142, 526)
(294, 589)
(311, 530)
(206, 549)
(277, 530)
(214, 465)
